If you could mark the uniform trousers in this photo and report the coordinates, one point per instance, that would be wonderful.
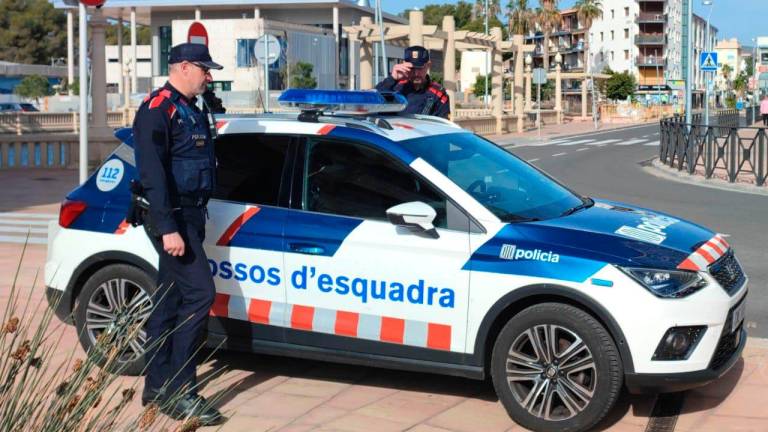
(183, 300)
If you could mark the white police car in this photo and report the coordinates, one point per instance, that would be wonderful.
(407, 242)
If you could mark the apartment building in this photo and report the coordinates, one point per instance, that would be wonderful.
(567, 39)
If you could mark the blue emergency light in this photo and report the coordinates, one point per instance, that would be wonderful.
(343, 101)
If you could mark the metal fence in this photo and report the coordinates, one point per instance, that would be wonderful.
(722, 149)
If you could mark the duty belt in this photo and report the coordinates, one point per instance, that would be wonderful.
(189, 201)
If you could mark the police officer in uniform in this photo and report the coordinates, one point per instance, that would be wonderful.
(176, 164)
(411, 79)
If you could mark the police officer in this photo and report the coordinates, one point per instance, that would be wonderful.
(176, 163)
(411, 79)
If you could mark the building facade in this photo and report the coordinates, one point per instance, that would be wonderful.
(729, 52)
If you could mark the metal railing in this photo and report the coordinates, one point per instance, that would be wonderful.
(38, 151)
(651, 17)
(655, 39)
(722, 149)
(650, 60)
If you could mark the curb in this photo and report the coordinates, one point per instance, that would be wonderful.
(658, 169)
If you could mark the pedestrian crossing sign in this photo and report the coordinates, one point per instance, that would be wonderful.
(708, 61)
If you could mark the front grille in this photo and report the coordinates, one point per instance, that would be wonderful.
(729, 341)
(728, 273)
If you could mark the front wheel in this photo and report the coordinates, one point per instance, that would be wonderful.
(556, 368)
(114, 299)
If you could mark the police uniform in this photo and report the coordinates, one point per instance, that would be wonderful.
(430, 99)
(176, 163)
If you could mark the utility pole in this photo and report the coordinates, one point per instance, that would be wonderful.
(487, 58)
(688, 47)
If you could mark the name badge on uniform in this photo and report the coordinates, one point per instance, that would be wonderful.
(199, 140)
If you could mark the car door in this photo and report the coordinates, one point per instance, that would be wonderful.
(244, 235)
(355, 281)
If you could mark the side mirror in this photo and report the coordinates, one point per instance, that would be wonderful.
(415, 215)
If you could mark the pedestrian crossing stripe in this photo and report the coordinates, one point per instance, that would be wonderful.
(603, 142)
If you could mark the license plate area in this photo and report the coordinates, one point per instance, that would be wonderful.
(738, 315)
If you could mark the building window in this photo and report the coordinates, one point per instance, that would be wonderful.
(612, 57)
(613, 35)
(602, 37)
(613, 13)
(219, 86)
(626, 11)
(165, 48)
(626, 33)
(602, 57)
(245, 57)
(626, 54)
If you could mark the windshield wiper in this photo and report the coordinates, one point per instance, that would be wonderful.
(586, 202)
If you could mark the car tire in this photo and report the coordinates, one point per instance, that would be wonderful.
(569, 391)
(96, 312)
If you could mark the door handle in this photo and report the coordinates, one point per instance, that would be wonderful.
(307, 248)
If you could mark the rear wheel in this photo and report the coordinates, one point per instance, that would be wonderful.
(113, 300)
(556, 368)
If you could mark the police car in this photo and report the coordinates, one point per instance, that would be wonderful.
(349, 233)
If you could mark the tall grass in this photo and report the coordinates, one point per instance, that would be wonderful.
(48, 387)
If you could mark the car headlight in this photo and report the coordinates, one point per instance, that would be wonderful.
(667, 283)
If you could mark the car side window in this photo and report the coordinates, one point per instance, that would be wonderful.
(250, 167)
(352, 179)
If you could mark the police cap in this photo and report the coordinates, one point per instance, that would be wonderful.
(417, 55)
(193, 53)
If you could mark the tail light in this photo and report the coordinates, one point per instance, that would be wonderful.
(70, 210)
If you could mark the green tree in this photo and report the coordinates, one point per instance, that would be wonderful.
(620, 86)
(143, 34)
(34, 87)
(478, 88)
(31, 31)
(520, 17)
(548, 18)
(726, 70)
(301, 76)
(588, 11)
(740, 83)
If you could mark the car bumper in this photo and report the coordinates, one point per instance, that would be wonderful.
(60, 302)
(729, 352)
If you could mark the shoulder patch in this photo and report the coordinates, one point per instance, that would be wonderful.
(156, 101)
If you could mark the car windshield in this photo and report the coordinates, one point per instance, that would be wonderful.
(510, 188)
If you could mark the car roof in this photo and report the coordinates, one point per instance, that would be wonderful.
(394, 128)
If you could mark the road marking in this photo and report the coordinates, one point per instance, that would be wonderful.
(652, 143)
(570, 143)
(559, 154)
(582, 149)
(610, 141)
(533, 160)
(632, 142)
(29, 215)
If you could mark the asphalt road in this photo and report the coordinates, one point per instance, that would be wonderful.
(608, 165)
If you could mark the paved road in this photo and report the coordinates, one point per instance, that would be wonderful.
(608, 165)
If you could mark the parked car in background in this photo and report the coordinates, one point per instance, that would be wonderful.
(18, 106)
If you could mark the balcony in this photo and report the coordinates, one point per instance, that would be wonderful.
(651, 81)
(651, 17)
(650, 39)
(650, 60)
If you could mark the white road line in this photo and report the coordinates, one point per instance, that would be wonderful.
(570, 143)
(29, 215)
(8, 229)
(23, 222)
(610, 141)
(559, 154)
(533, 160)
(632, 142)
(582, 149)
(652, 143)
(22, 240)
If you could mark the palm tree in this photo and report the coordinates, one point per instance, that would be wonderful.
(548, 17)
(588, 11)
(494, 8)
(520, 17)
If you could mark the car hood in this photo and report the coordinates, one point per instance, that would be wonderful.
(621, 234)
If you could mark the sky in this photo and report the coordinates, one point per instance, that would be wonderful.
(743, 19)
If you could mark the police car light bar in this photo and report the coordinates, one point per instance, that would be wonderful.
(343, 101)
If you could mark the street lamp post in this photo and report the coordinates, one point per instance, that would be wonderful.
(487, 57)
(689, 55)
(708, 48)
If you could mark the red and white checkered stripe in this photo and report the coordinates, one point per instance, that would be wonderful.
(341, 323)
(705, 255)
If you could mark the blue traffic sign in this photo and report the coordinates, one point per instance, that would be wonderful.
(739, 105)
(708, 61)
